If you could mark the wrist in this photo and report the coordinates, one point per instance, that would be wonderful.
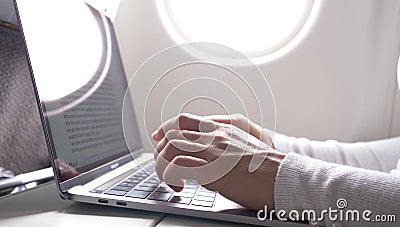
(276, 158)
(266, 136)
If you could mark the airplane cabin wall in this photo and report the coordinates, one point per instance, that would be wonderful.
(335, 80)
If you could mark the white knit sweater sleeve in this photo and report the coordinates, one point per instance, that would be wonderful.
(381, 155)
(305, 183)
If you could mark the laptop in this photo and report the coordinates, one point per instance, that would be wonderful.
(80, 85)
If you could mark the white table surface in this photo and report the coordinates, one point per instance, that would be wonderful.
(43, 207)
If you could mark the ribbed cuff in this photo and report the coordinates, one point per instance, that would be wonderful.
(304, 183)
(289, 187)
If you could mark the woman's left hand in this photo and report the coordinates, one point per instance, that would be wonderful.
(219, 157)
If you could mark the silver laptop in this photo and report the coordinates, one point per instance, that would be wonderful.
(80, 85)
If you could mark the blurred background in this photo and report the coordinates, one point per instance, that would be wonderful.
(333, 78)
(331, 64)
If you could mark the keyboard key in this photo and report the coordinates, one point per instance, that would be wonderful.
(159, 196)
(181, 200)
(164, 185)
(191, 182)
(153, 181)
(140, 178)
(120, 188)
(201, 203)
(204, 198)
(138, 194)
(150, 185)
(136, 181)
(202, 189)
(189, 190)
(189, 186)
(186, 195)
(150, 166)
(207, 194)
(164, 189)
(146, 189)
(113, 192)
(129, 185)
(132, 181)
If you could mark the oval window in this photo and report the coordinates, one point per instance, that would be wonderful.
(255, 28)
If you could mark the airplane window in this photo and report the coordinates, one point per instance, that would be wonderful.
(71, 23)
(255, 28)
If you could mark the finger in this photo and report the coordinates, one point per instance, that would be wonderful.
(171, 150)
(179, 169)
(226, 119)
(192, 136)
(160, 146)
(239, 121)
(184, 122)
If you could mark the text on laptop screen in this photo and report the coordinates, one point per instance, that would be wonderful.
(80, 82)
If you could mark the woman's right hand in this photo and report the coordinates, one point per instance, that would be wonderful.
(242, 122)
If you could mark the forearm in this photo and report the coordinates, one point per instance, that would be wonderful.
(303, 183)
(381, 155)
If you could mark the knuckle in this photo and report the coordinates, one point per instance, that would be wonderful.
(238, 116)
(187, 135)
(223, 145)
(183, 117)
(168, 147)
(164, 158)
(178, 159)
(208, 126)
(220, 137)
(214, 124)
(160, 146)
(227, 128)
(239, 119)
(171, 134)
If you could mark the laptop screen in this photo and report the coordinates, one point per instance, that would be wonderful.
(80, 83)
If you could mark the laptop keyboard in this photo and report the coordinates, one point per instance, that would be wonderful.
(144, 184)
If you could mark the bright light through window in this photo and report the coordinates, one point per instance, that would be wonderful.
(253, 27)
(65, 45)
